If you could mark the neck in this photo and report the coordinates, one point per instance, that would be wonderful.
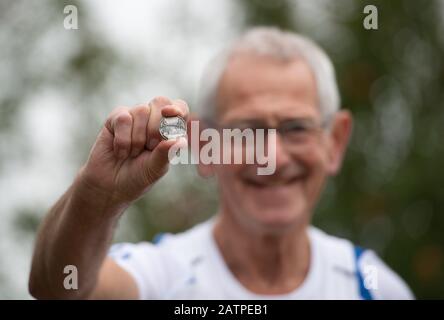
(266, 263)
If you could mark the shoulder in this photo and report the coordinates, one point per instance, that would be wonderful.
(380, 279)
(158, 265)
(375, 279)
(185, 244)
(182, 244)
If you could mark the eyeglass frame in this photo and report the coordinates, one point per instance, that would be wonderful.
(282, 128)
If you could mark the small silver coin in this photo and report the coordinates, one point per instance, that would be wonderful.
(172, 128)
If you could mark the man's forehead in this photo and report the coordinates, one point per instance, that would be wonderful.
(269, 112)
(250, 77)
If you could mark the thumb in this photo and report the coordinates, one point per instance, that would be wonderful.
(157, 164)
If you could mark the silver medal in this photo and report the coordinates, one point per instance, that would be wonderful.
(172, 128)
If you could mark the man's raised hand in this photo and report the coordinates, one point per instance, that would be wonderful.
(129, 154)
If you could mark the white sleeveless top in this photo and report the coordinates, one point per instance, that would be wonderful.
(189, 265)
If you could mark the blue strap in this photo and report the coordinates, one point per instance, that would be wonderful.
(363, 291)
(158, 237)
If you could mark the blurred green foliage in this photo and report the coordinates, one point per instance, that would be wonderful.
(389, 195)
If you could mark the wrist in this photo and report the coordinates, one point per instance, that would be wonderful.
(103, 203)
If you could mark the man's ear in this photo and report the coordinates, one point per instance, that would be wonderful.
(204, 170)
(340, 132)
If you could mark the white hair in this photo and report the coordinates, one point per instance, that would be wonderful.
(277, 44)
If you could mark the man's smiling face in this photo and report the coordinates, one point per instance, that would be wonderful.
(255, 89)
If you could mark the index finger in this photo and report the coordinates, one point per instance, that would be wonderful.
(176, 108)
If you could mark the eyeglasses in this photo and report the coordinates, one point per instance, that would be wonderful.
(293, 131)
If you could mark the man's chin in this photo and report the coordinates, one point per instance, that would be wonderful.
(277, 221)
(271, 195)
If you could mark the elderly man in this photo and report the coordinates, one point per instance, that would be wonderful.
(260, 243)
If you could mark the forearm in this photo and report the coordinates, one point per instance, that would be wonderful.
(77, 231)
